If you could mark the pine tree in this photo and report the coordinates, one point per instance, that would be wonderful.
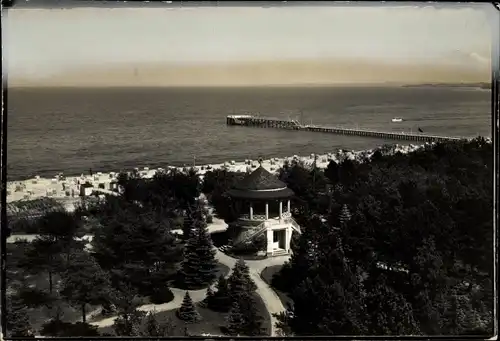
(129, 324)
(63, 228)
(85, 283)
(329, 300)
(187, 312)
(209, 297)
(345, 215)
(235, 320)
(221, 300)
(153, 328)
(199, 265)
(252, 320)
(240, 282)
(129, 320)
(43, 254)
(187, 224)
(134, 246)
(389, 312)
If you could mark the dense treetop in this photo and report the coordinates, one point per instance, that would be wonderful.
(425, 215)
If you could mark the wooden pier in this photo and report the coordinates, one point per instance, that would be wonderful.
(264, 122)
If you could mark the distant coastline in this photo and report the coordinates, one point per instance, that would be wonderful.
(481, 85)
(486, 86)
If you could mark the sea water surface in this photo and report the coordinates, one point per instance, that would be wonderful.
(71, 130)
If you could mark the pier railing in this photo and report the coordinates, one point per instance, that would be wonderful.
(262, 122)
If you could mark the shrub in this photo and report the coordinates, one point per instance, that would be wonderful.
(35, 298)
(27, 226)
(187, 312)
(161, 295)
(220, 300)
(64, 329)
(108, 309)
(208, 298)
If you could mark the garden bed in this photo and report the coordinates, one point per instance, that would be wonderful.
(211, 322)
(267, 276)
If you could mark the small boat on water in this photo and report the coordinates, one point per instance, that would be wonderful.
(397, 119)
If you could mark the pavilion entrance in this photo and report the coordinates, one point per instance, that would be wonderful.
(279, 239)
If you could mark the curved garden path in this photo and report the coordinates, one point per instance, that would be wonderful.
(269, 297)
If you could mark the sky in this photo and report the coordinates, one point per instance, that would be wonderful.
(248, 45)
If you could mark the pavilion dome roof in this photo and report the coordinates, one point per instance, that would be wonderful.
(260, 180)
(260, 184)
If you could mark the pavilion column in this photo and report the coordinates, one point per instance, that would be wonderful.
(251, 211)
(281, 209)
(267, 210)
(288, 206)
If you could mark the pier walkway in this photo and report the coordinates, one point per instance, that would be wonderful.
(265, 122)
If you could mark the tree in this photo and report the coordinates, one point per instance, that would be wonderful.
(134, 246)
(304, 257)
(345, 215)
(388, 311)
(187, 312)
(241, 299)
(221, 300)
(63, 228)
(199, 265)
(132, 186)
(129, 320)
(419, 219)
(252, 325)
(18, 323)
(153, 328)
(235, 320)
(283, 322)
(58, 232)
(240, 283)
(85, 283)
(187, 224)
(59, 328)
(129, 324)
(209, 297)
(43, 254)
(330, 299)
(332, 172)
(215, 185)
(186, 186)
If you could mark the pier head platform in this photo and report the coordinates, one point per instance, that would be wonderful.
(265, 122)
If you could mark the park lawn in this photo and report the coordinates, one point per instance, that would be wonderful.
(211, 322)
(267, 275)
(39, 316)
(16, 276)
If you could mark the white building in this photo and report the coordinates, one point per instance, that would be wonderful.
(263, 205)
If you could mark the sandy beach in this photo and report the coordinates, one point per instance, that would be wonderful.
(67, 189)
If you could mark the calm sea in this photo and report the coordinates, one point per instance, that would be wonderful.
(72, 130)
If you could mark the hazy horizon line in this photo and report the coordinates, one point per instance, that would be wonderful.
(297, 85)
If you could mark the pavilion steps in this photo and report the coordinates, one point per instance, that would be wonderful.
(279, 252)
(224, 248)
